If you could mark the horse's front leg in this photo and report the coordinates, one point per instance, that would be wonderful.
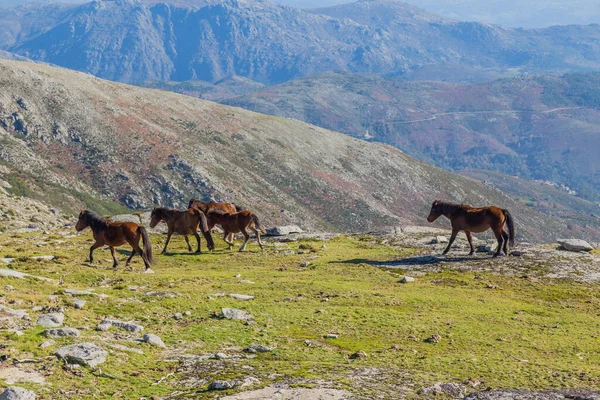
(169, 234)
(225, 237)
(115, 262)
(470, 239)
(92, 248)
(452, 238)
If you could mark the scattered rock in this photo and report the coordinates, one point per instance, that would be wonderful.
(221, 356)
(453, 390)
(331, 336)
(284, 230)
(17, 393)
(20, 314)
(221, 385)
(178, 316)
(440, 240)
(154, 340)
(51, 320)
(78, 292)
(7, 260)
(258, 348)
(43, 258)
(244, 297)
(187, 313)
(277, 392)
(20, 275)
(435, 338)
(13, 375)
(162, 294)
(8, 288)
(87, 354)
(358, 354)
(287, 252)
(407, 279)
(79, 304)
(305, 264)
(574, 245)
(246, 281)
(518, 253)
(46, 343)
(232, 313)
(107, 323)
(62, 332)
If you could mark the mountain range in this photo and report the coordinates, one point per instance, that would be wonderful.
(537, 127)
(131, 41)
(72, 140)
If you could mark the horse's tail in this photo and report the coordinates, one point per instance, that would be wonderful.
(147, 252)
(257, 224)
(511, 227)
(204, 228)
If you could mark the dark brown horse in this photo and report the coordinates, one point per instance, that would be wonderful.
(183, 222)
(234, 223)
(115, 234)
(463, 217)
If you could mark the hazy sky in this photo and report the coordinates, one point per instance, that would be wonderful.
(515, 13)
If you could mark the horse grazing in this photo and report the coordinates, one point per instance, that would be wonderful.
(115, 234)
(183, 222)
(234, 223)
(463, 217)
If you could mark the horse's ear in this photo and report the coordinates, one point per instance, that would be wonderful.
(435, 203)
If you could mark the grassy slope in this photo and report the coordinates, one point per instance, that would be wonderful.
(519, 335)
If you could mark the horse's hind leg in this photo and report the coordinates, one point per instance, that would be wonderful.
(246, 238)
(258, 238)
(500, 240)
(452, 238)
(197, 240)
(138, 249)
(187, 240)
(115, 262)
(130, 258)
(505, 237)
(92, 248)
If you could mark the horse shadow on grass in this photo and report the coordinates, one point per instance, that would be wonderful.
(409, 261)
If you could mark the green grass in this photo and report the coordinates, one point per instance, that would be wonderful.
(523, 334)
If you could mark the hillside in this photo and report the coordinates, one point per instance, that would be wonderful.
(72, 140)
(534, 127)
(132, 41)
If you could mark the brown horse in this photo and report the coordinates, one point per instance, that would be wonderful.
(183, 222)
(115, 234)
(463, 217)
(208, 206)
(234, 223)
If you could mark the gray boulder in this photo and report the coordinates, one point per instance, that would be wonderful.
(62, 332)
(244, 297)
(284, 230)
(51, 320)
(107, 323)
(79, 304)
(154, 340)
(258, 348)
(232, 313)
(17, 393)
(575, 245)
(451, 389)
(87, 354)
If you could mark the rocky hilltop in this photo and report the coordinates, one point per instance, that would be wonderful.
(132, 41)
(72, 140)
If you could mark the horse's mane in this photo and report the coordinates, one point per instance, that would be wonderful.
(450, 208)
(94, 220)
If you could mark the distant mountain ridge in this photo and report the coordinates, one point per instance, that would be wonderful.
(539, 127)
(131, 41)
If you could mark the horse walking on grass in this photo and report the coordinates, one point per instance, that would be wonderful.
(208, 206)
(115, 234)
(233, 223)
(183, 222)
(463, 217)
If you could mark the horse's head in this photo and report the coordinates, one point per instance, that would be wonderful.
(436, 211)
(155, 217)
(81, 222)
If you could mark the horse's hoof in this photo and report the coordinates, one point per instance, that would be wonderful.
(148, 271)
